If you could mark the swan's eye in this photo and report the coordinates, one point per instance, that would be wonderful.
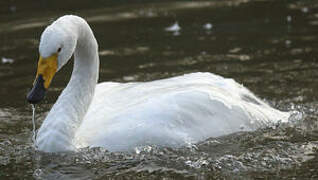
(59, 50)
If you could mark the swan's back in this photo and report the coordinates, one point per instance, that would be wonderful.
(171, 112)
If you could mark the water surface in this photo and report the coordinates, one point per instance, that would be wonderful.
(268, 46)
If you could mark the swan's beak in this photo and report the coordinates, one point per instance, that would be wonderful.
(47, 68)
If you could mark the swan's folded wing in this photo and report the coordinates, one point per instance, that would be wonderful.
(171, 112)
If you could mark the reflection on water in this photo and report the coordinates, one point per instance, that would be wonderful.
(269, 46)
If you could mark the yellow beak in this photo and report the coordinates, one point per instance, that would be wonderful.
(47, 67)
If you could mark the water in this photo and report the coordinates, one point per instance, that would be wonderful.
(269, 46)
(34, 126)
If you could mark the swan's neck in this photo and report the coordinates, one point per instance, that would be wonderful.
(58, 130)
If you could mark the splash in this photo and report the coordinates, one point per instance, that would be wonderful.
(34, 128)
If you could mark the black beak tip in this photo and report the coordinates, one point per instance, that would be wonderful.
(34, 98)
(37, 93)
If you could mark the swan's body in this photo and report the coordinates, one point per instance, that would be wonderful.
(169, 112)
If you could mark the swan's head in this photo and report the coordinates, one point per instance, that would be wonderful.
(57, 45)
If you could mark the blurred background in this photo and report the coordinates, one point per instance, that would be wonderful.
(269, 46)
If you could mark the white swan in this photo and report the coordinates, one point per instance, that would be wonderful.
(169, 112)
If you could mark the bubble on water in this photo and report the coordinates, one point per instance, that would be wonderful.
(231, 163)
(129, 78)
(207, 26)
(288, 18)
(173, 28)
(37, 173)
(5, 60)
(305, 9)
(295, 117)
(140, 149)
(137, 150)
(203, 53)
(235, 50)
(288, 43)
(197, 164)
